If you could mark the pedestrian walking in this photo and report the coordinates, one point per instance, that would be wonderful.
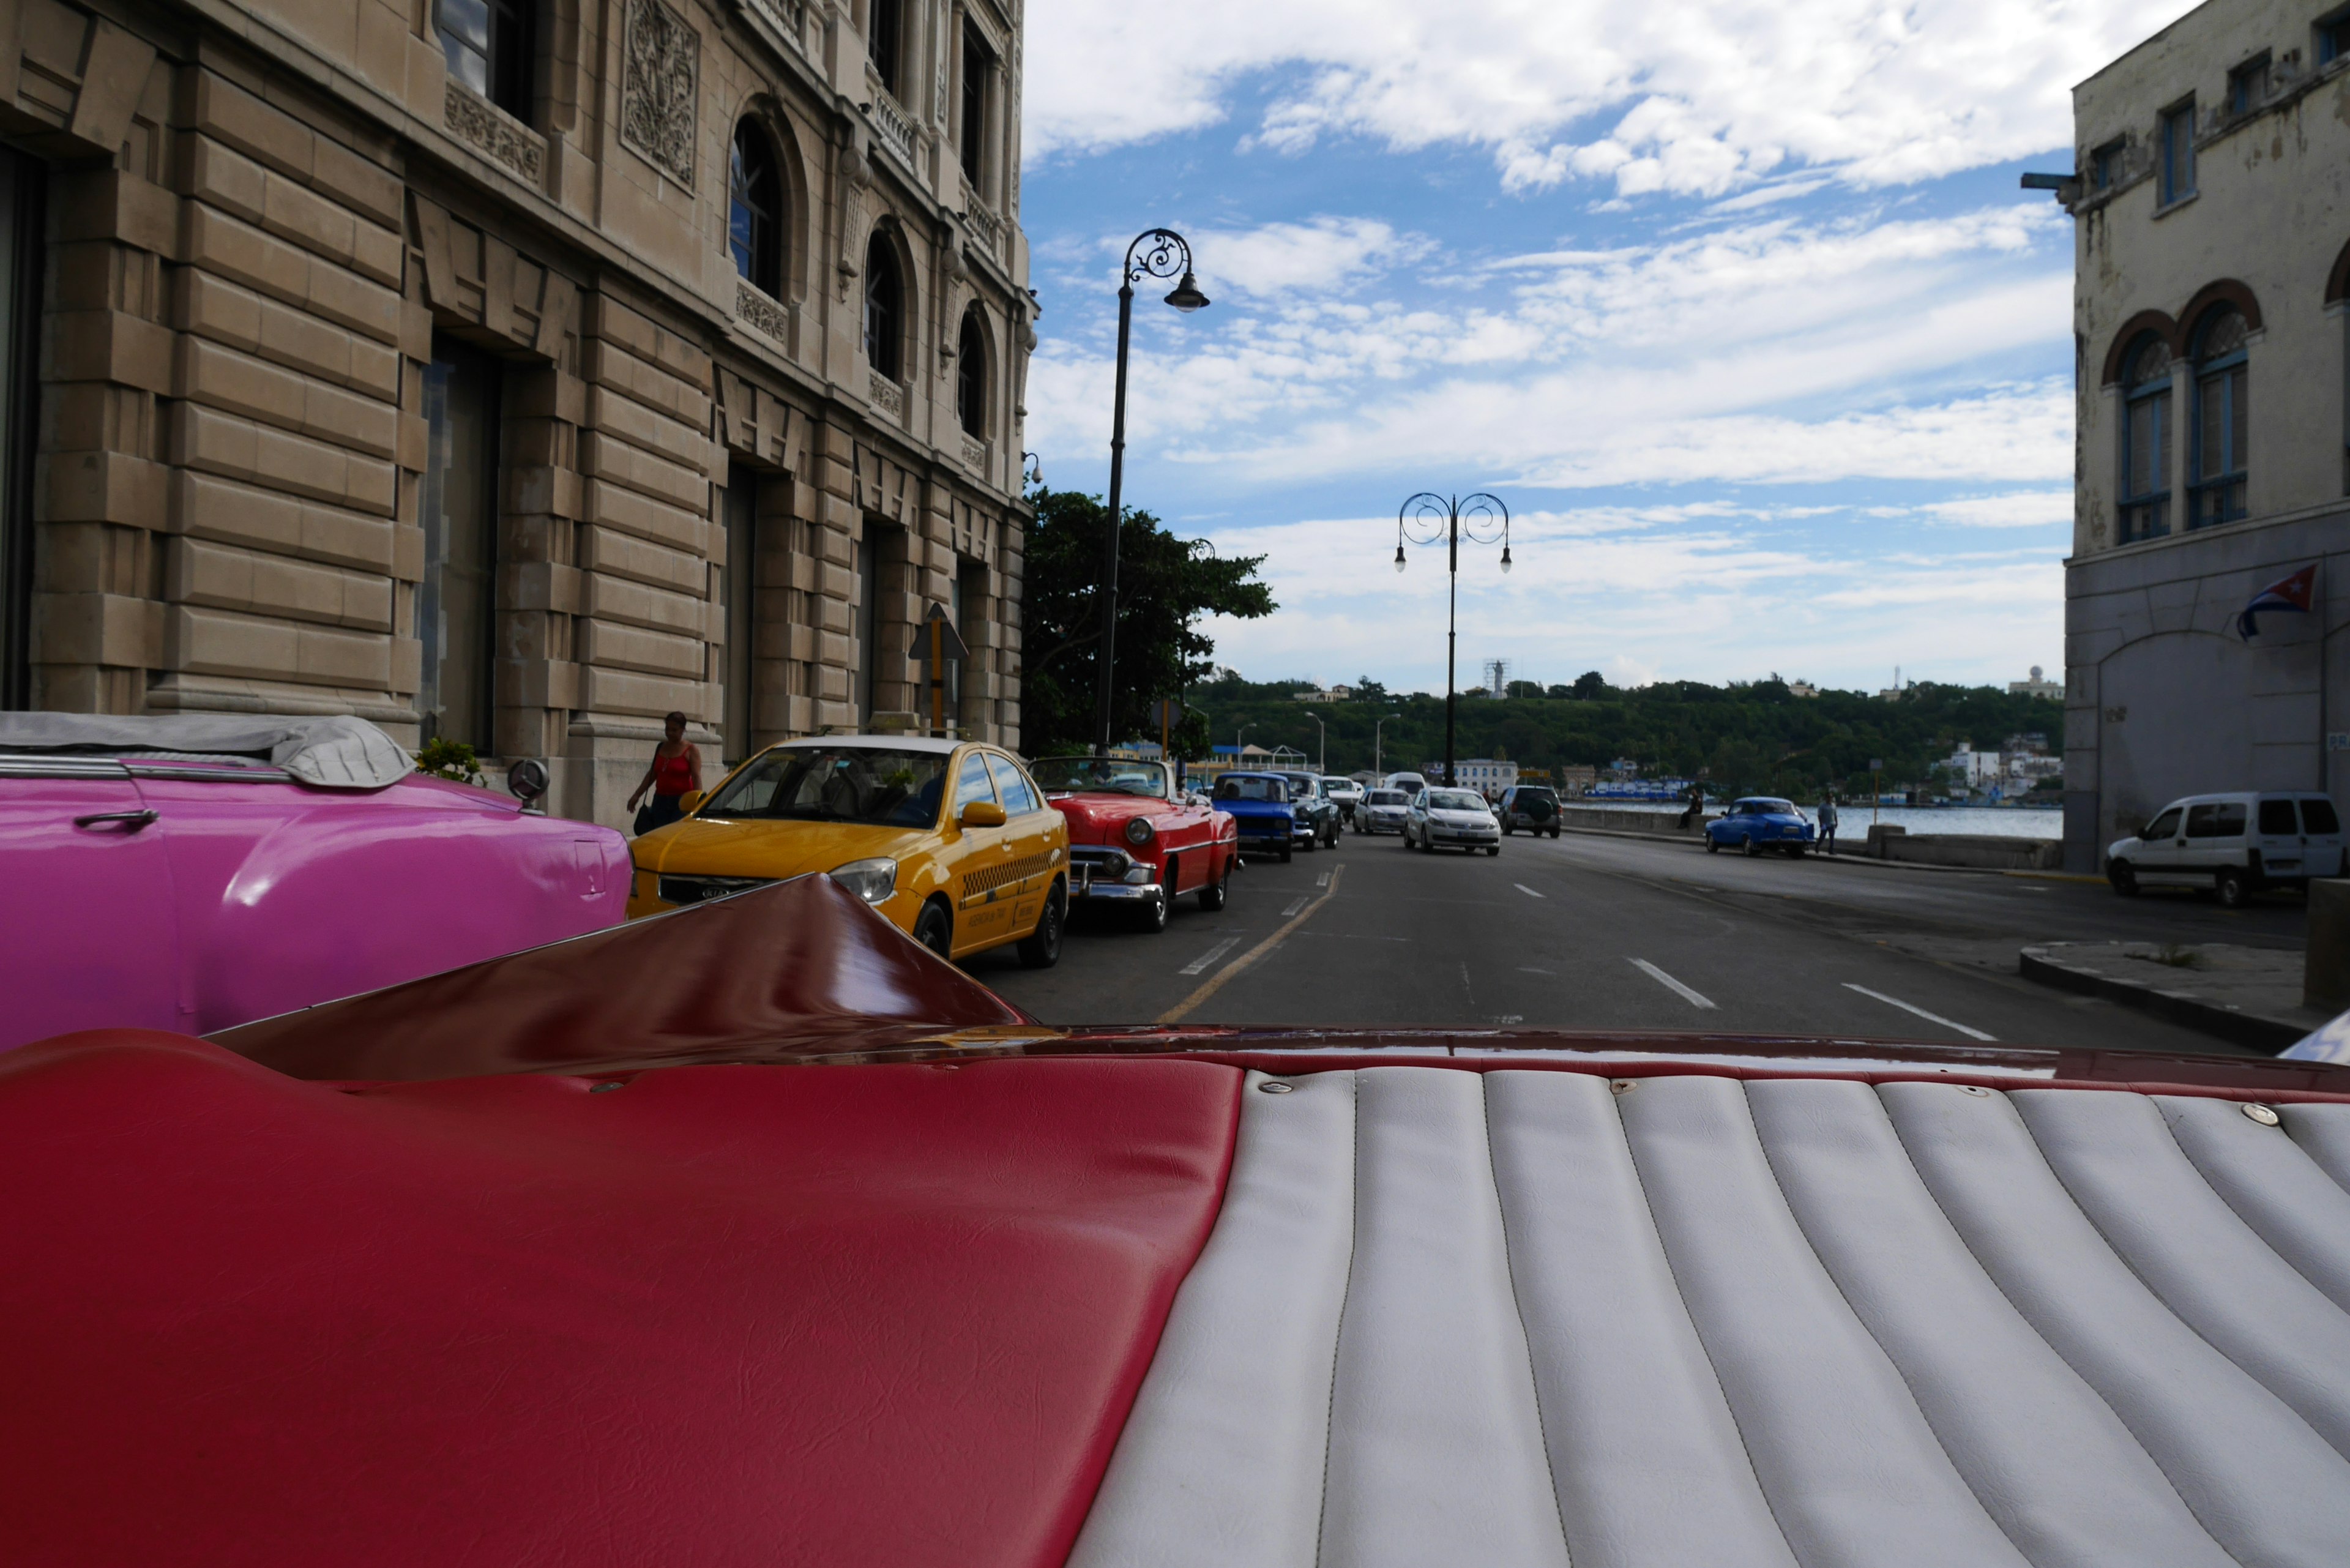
(676, 770)
(1828, 824)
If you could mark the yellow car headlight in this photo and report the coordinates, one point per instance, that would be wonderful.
(871, 880)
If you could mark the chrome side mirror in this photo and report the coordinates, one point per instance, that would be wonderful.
(526, 780)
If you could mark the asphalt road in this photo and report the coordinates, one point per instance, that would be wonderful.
(1592, 932)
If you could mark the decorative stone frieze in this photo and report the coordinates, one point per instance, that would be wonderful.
(975, 454)
(491, 131)
(761, 315)
(887, 396)
(659, 88)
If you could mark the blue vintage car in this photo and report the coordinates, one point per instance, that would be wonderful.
(1757, 823)
(1270, 821)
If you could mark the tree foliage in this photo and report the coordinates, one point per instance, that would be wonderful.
(1757, 737)
(1166, 587)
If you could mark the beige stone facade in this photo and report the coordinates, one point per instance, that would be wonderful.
(337, 387)
(2211, 197)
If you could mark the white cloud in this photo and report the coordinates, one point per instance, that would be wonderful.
(1772, 350)
(1656, 597)
(2016, 509)
(1680, 98)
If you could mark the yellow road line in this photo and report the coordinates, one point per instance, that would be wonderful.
(1215, 981)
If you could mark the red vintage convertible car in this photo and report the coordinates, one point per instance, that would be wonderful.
(1136, 840)
(754, 1233)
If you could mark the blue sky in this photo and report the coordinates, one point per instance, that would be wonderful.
(1738, 307)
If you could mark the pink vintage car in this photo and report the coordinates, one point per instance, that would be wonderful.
(197, 871)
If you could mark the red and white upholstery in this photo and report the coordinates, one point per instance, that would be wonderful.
(1133, 1311)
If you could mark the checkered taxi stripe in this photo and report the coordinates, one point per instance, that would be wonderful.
(987, 879)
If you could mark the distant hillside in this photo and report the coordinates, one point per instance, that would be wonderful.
(1757, 737)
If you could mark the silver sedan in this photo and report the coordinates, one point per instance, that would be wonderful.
(1382, 811)
(1451, 819)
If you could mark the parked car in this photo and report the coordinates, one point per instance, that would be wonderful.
(1306, 790)
(1135, 841)
(1533, 807)
(1451, 819)
(2233, 844)
(1269, 821)
(194, 871)
(1383, 810)
(1757, 823)
(1346, 793)
(952, 841)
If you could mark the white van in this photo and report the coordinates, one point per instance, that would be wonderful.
(2231, 844)
(1410, 784)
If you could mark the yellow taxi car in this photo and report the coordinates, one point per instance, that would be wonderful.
(952, 840)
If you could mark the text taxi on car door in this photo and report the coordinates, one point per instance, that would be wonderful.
(953, 842)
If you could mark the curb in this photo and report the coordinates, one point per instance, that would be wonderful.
(2252, 1029)
(1695, 841)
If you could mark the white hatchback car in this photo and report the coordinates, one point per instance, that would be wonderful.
(1383, 810)
(2232, 844)
(1451, 819)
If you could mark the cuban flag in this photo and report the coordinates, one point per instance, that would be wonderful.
(2294, 593)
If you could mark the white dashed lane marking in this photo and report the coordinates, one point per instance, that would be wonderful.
(1297, 905)
(1207, 960)
(1529, 892)
(1929, 1017)
(1323, 880)
(1693, 998)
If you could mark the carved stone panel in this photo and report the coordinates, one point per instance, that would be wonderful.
(760, 314)
(480, 125)
(887, 396)
(659, 91)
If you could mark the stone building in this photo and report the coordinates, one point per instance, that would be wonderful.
(2212, 201)
(513, 370)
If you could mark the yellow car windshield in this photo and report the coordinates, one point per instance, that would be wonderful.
(876, 785)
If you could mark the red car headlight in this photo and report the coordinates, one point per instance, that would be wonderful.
(1140, 832)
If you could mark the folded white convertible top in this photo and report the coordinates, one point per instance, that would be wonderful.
(1527, 1319)
(328, 751)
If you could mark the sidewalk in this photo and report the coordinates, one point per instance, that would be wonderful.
(2249, 996)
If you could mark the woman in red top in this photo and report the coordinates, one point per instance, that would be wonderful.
(676, 768)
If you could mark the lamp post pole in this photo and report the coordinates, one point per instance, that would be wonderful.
(1486, 522)
(1379, 757)
(1321, 744)
(1155, 253)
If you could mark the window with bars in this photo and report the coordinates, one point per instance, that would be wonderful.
(2145, 441)
(755, 230)
(488, 44)
(2216, 493)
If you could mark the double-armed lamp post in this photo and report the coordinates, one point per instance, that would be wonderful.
(1161, 253)
(1429, 518)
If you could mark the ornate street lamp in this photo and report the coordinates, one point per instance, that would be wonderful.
(1486, 522)
(1155, 253)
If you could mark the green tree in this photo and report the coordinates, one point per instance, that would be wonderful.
(1166, 586)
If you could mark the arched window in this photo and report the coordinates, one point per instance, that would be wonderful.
(755, 213)
(971, 375)
(2216, 492)
(2146, 439)
(885, 306)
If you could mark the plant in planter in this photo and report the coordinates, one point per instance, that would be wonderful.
(452, 760)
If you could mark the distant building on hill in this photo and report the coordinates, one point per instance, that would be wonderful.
(1802, 689)
(2038, 686)
(1485, 775)
(1577, 780)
